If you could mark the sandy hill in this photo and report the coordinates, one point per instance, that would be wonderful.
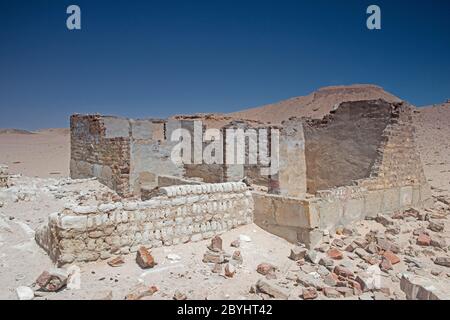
(14, 131)
(433, 132)
(314, 105)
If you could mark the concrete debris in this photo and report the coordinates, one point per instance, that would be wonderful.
(25, 293)
(270, 288)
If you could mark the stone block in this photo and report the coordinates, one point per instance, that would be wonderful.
(391, 200)
(373, 203)
(331, 212)
(406, 197)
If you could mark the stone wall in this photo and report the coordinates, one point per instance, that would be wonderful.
(343, 146)
(398, 162)
(179, 214)
(4, 176)
(100, 147)
(304, 220)
(291, 178)
(124, 154)
(361, 161)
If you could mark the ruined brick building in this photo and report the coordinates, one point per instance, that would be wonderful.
(358, 161)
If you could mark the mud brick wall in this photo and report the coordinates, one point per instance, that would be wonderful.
(4, 176)
(98, 152)
(368, 143)
(180, 214)
(398, 162)
(343, 146)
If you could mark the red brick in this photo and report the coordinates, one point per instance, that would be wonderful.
(423, 240)
(335, 254)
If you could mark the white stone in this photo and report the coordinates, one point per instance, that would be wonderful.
(84, 209)
(173, 257)
(25, 293)
(107, 207)
(73, 222)
(245, 238)
(130, 206)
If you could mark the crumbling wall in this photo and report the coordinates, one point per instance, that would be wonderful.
(398, 162)
(123, 154)
(226, 171)
(150, 153)
(4, 176)
(361, 161)
(343, 146)
(180, 214)
(100, 147)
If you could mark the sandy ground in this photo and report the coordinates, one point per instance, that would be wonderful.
(42, 154)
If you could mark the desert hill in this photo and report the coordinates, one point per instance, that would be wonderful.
(433, 140)
(315, 105)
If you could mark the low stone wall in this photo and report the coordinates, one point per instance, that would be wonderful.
(304, 220)
(181, 214)
(148, 192)
(4, 176)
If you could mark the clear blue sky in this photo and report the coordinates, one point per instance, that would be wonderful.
(157, 58)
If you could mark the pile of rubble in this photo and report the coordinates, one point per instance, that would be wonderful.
(398, 257)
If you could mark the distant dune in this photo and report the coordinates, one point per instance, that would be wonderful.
(315, 105)
(14, 131)
(44, 153)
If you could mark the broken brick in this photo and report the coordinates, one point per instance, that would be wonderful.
(424, 240)
(335, 254)
(144, 259)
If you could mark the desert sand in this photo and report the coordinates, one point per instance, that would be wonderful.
(44, 153)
